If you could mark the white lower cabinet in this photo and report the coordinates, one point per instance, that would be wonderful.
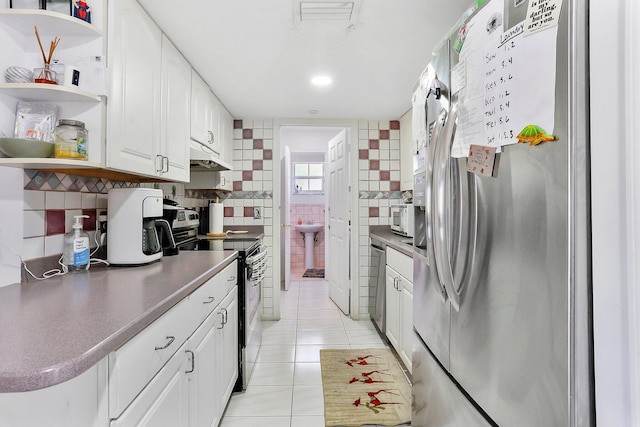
(193, 387)
(399, 304)
(164, 401)
(178, 371)
(212, 367)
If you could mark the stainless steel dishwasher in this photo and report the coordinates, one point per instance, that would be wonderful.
(377, 301)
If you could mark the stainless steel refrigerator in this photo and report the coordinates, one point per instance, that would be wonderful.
(502, 284)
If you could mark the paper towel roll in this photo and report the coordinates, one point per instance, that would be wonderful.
(216, 215)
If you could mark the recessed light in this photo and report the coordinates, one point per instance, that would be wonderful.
(313, 111)
(321, 80)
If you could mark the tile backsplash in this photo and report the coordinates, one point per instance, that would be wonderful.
(51, 200)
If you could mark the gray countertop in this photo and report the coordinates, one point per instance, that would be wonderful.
(384, 234)
(53, 330)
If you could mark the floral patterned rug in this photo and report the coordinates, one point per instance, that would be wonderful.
(364, 387)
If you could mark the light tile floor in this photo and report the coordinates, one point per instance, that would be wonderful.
(285, 389)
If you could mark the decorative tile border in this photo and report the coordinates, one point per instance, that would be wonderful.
(224, 195)
(380, 195)
(56, 181)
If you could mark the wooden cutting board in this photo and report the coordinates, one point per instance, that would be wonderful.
(223, 235)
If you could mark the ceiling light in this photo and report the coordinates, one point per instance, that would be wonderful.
(313, 111)
(321, 80)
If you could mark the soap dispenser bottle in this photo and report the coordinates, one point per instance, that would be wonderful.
(76, 246)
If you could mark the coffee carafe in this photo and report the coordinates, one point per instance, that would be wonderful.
(136, 226)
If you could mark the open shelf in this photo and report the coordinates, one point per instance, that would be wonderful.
(50, 24)
(76, 167)
(47, 93)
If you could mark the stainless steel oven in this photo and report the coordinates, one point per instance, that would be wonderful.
(254, 273)
(252, 265)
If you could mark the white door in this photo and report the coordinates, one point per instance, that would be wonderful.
(285, 216)
(338, 263)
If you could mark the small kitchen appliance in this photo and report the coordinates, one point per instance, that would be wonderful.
(136, 226)
(402, 219)
(184, 225)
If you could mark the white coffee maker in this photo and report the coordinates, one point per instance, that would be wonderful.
(135, 226)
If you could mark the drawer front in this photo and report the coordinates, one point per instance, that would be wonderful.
(400, 262)
(230, 276)
(207, 297)
(134, 364)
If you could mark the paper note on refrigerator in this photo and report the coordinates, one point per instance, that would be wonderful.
(542, 14)
(519, 87)
(481, 30)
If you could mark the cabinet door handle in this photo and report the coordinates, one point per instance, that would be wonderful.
(193, 362)
(159, 163)
(210, 300)
(210, 140)
(226, 319)
(224, 181)
(165, 162)
(221, 320)
(171, 340)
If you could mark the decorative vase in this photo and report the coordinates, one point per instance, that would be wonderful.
(44, 75)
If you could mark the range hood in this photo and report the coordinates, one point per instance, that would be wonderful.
(202, 157)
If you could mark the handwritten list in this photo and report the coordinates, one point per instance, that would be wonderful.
(500, 95)
(519, 84)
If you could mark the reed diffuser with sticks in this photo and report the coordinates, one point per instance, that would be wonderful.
(45, 74)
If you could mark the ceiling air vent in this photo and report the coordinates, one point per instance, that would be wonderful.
(344, 11)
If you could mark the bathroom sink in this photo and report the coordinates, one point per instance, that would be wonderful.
(309, 228)
(308, 232)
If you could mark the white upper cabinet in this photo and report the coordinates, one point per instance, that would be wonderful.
(205, 115)
(225, 181)
(174, 117)
(135, 62)
(200, 109)
(148, 120)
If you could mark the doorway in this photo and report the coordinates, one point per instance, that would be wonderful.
(309, 129)
(306, 199)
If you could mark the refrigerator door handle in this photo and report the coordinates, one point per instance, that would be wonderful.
(429, 205)
(442, 184)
